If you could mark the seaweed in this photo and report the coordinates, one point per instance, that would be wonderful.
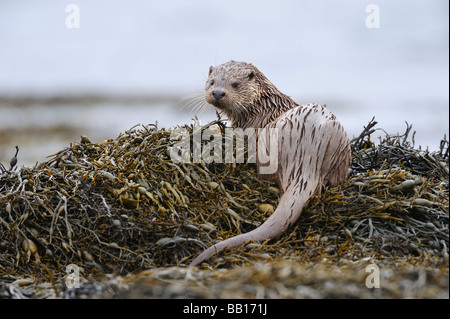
(122, 206)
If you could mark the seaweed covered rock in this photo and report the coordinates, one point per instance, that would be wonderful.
(122, 206)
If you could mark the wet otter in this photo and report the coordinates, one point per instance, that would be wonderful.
(313, 148)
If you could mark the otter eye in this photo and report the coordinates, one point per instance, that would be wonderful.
(211, 82)
(235, 85)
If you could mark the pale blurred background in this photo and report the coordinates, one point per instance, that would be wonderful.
(133, 62)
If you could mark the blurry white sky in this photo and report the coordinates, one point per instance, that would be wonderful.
(314, 50)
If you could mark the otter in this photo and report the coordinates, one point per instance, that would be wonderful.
(313, 147)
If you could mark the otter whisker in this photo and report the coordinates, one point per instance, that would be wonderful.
(203, 107)
(192, 96)
(193, 102)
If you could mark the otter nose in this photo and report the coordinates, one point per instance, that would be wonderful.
(218, 94)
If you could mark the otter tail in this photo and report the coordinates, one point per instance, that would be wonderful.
(289, 209)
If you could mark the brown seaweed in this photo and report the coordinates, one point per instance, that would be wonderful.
(122, 206)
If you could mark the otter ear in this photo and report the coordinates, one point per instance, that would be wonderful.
(251, 75)
(210, 70)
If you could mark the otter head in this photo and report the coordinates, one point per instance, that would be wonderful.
(232, 87)
(245, 95)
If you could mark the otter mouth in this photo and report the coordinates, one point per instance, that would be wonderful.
(217, 104)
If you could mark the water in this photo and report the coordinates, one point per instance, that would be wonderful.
(314, 51)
